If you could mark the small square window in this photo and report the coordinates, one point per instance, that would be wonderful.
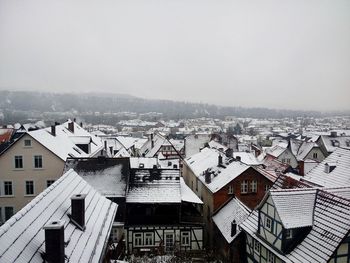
(18, 162)
(185, 238)
(149, 241)
(38, 161)
(49, 182)
(289, 234)
(230, 189)
(257, 246)
(27, 143)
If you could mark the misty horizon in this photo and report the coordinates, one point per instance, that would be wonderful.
(293, 55)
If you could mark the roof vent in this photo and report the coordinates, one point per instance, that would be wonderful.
(54, 241)
(329, 167)
(78, 210)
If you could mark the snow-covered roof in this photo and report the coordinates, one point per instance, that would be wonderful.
(150, 162)
(330, 226)
(163, 187)
(63, 143)
(233, 210)
(150, 149)
(207, 161)
(275, 151)
(304, 149)
(337, 177)
(187, 195)
(107, 175)
(247, 157)
(194, 143)
(294, 207)
(218, 146)
(22, 237)
(332, 143)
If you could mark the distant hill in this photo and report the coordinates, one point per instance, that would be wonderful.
(100, 102)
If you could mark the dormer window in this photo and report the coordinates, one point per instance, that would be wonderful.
(289, 234)
(314, 155)
(329, 167)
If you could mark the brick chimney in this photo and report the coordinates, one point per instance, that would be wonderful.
(78, 210)
(207, 177)
(54, 242)
(219, 160)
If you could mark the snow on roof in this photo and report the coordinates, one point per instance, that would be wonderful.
(108, 175)
(233, 210)
(275, 151)
(331, 224)
(178, 144)
(22, 236)
(207, 159)
(304, 149)
(158, 142)
(150, 162)
(63, 144)
(294, 207)
(338, 177)
(247, 157)
(154, 193)
(187, 195)
(295, 145)
(332, 143)
(218, 146)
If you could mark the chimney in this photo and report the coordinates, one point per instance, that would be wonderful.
(229, 152)
(105, 143)
(233, 228)
(78, 210)
(219, 160)
(333, 134)
(238, 158)
(152, 141)
(71, 126)
(53, 130)
(207, 177)
(81, 124)
(54, 241)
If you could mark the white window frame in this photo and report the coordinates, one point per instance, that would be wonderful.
(29, 145)
(148, 238)
(4, 187)
(25, 187)
(230, 190)
(271, 258)
(267, 187)
(254, 186)
(244, 187)
(34, 161)
(138, 242)
(18, 157)
(268, 223)
(185, 238)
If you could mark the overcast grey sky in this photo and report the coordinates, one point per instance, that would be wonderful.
(292, 54)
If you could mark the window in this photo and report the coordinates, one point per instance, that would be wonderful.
(138, 239)
(254, 186)
(289, 234)
(8, 212)
(270, 257)
(283, 160)
(257, 246)
(288, 161)
(29, 187)
(38, 161)
(267, 187)
(244, 187)
(268, 223)
(8, 188)
(49, 182)
(314, 155)
(185, 238)
(1, 220)
(149, 239)
(230, 189)
(18, 162)
(27, 143)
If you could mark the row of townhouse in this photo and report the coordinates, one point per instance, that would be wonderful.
(33, 161)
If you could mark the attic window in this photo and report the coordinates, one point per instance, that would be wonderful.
(27, 143)
(335, 143)
(289, 234)
(329, 167)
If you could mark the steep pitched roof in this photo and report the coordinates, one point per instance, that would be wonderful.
(332, 143)
(275, 151)
(330, 226)
(22, 237)
(304, 149)
(233, 210)
(338, 177)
